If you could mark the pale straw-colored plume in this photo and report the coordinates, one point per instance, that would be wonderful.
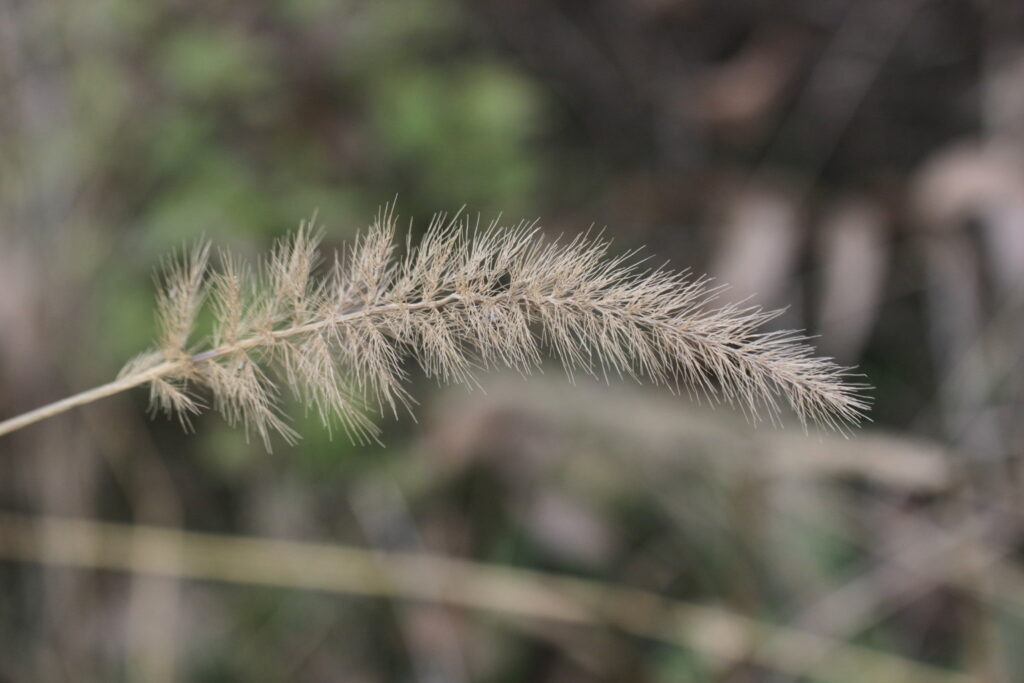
(463, 300)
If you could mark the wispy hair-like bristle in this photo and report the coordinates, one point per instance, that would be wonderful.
(463, 300)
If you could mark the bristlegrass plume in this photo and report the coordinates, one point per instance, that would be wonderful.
(463, 300)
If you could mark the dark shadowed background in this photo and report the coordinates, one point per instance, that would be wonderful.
(860, 162)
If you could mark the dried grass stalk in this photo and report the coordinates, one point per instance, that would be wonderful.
(465, 299)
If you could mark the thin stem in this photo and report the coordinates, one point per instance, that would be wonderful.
(170, 367)
(94, 394)
(285, 333)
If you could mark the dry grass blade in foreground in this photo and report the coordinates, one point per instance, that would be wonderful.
(463, 299)
(720, 637)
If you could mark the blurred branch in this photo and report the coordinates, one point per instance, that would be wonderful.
(666, 430)
(713, 632)
(932, 558)
(840, 81)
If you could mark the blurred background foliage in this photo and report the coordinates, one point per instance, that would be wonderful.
(859, 161)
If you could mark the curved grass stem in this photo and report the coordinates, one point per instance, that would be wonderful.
(172, 367)
(84, 397)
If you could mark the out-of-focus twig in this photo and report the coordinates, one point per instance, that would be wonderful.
(712, 632)
(665, 431)
(840, 81)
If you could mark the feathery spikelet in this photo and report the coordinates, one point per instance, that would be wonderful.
(465, 300)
